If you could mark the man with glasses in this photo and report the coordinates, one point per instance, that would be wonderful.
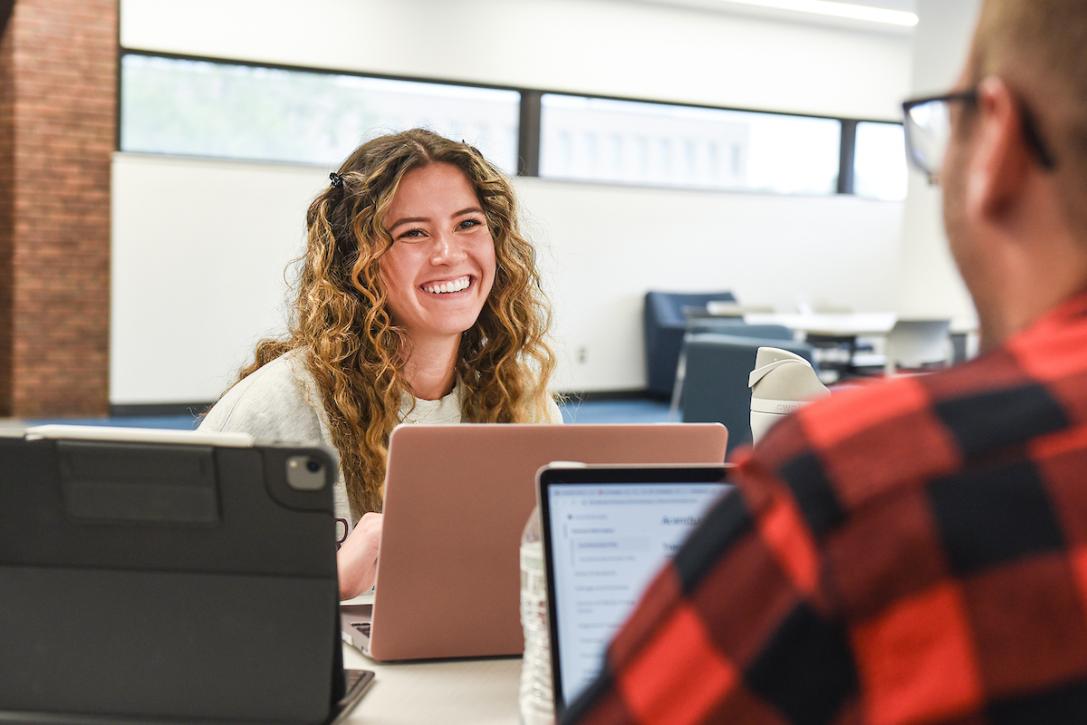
(916, 550)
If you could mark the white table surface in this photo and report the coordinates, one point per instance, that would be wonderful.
(845, 324)
(456, 691)
(733, 309)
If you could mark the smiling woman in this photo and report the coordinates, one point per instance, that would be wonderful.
(418, 301)
(440, 268)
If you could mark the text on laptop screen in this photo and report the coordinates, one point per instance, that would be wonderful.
(607, 542)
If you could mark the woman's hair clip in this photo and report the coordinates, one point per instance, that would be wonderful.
(336, 179)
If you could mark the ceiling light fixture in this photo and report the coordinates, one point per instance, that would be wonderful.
(838, 10)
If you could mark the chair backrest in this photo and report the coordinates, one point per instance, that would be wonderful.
(915, 343)
(715, 387)
(666, 308)
(664, 323)
(739, 328)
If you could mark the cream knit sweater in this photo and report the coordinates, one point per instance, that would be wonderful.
(280, 403)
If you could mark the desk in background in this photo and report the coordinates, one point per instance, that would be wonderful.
(838, 324)
(840, 331)
(834, 335)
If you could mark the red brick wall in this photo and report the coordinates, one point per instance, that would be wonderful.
(60, 66)
(7, 219)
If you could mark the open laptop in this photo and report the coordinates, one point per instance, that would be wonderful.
(456, 501)
(168, 576)
(607, 530)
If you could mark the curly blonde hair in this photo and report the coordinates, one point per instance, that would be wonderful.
(356, 353)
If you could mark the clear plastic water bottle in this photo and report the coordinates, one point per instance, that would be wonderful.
(537, 702)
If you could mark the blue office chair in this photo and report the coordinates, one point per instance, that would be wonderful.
(665, 323)
(735, 327)
(715, 386)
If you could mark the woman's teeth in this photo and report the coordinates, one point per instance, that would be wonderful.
(441, 288)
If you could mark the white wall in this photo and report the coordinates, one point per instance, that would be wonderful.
(604, 246)
(198, 255)
(929, 284)
(593, 46)
(199, 249)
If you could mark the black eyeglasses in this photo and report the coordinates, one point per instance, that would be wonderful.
(927, 122)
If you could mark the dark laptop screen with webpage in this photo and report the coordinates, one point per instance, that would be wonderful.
(605, 543)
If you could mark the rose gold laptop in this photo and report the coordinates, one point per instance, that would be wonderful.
(456, 501)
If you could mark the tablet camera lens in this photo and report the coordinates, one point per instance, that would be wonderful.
(305, 473)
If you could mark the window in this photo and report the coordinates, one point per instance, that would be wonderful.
(684, 146)
(879, 162)
(237, 111)
(250, 112)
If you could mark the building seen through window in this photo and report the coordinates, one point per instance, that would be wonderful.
(595, 139)
(223, 109)
(879, 163)
(238, 111)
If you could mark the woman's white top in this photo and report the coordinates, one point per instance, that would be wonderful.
(280, 403)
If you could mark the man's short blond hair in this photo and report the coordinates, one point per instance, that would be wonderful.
(1040, 48)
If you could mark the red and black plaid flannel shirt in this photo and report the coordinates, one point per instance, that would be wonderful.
(910, 551)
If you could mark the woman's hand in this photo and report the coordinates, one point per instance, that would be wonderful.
(357, 558)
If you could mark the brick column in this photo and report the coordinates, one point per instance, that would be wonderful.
(58, 88)
(7, 212)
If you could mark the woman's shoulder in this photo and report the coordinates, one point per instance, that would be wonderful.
(272, 403)
(548, 411)
(553, 412)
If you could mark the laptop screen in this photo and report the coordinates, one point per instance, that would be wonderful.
(605, 543)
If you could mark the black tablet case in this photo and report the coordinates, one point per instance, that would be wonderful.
(166, 582)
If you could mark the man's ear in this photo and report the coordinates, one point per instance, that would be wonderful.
(1001, 160)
